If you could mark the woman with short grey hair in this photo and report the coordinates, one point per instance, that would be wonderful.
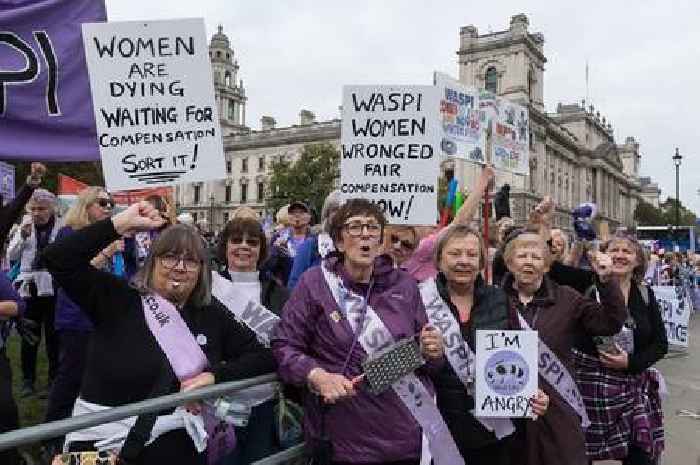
(37, 230)
(159, 335)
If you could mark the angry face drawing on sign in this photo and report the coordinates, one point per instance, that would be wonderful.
(506, 373)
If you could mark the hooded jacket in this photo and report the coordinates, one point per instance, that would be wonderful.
(364, 428)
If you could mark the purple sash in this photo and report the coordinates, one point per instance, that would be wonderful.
(187, 360)
(557, 375)
(459, 355)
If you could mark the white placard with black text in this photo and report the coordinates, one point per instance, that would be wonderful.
(390, 150)
(675, 312)
(152, 90)
(506, 373)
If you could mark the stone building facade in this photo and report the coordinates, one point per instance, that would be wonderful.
(651, 193)
(574, 157)
(573, 154)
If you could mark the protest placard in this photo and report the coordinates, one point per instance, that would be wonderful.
(7, 182)
(675, 312)
(462, 122)
(510, 136)
(390, 150)
(153, 96)
(506, 372)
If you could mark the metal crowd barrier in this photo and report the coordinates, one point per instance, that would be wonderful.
(60, 428)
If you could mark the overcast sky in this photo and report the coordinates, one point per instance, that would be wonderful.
(643, 57)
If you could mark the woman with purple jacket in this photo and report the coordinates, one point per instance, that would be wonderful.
(318, 344)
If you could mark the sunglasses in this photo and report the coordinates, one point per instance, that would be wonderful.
(250, 241)
(408, 245)
(105, 203)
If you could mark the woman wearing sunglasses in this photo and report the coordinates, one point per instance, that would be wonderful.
(157, 335)
(242, 247)
(399, 243)
(73, 327)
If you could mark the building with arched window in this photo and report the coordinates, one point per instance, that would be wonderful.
(491, 80)
(573, 154)
(230, 93)
(574, 157)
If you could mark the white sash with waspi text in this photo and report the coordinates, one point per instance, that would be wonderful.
(374, 336)
(557, 375)
(260, 320)
(458, 353)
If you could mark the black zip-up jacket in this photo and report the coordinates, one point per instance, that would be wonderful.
(650, 340)
(124, 360)
(489, 311)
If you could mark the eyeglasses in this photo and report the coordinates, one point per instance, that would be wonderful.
(250, 241)
(408, 245)
(105, 203)
(355, 228)
(170, 261)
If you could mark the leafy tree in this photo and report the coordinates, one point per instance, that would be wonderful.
(310, 179)
(647, 215)
(685, 216)
(89, 172)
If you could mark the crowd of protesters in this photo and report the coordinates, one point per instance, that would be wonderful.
(138, 304)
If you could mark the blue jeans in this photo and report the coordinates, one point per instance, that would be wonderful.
(257, 440)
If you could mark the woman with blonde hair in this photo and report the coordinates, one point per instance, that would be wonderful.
(73, 328)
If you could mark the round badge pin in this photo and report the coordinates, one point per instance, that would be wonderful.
(201, 339)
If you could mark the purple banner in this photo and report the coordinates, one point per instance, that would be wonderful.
(45, 102)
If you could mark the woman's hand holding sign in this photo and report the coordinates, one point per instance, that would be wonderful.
(539, 403)
(431, 342)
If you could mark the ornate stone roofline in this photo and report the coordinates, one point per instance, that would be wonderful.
(497, 43)
(295, 134)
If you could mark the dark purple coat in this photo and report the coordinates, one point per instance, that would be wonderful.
(364, 428)
(69, 316)
(8, 293)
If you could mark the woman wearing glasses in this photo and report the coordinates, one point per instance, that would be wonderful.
(323, 338)
(161, 334)
(243, 248)
(73, 327)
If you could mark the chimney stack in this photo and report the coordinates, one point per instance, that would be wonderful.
(306, 118)
(267, 123)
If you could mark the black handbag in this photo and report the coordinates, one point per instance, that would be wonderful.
(140, 433)
(320, 449)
